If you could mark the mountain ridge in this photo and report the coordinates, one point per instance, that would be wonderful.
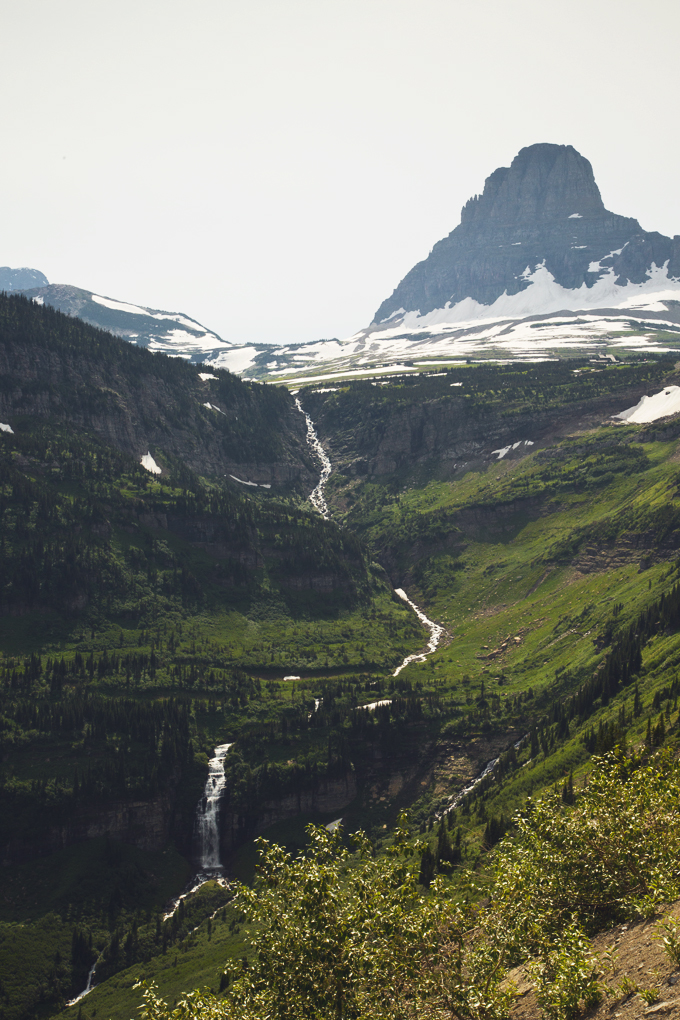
(172, 333)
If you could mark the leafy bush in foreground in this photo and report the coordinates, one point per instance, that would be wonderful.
(350, 935)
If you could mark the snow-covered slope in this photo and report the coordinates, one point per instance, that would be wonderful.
(536, 268)
(172, 333)
(378, 352)
(648, 409)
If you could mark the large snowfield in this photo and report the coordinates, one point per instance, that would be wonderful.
(660, 405)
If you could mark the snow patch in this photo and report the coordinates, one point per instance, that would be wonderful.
(150, 464)
(244, 483)
(235, 360)
(506, 449)
(575, 216)
(119, 306)
(399, 311)
(596, 267)
(456, 384)
(206, 375)
(660, 405)
(6, 428)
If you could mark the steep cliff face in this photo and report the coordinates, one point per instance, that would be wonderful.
(446, 434)
(545, 210)
(330, 796)
(146, 824)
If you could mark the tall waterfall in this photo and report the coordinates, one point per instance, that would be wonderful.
(317, 498)
(208, 814)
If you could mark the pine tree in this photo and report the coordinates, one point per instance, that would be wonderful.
(637, 704)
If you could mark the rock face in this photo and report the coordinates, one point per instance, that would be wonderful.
(545, 210)
(331, 795)
(21, 279)
(147, 824)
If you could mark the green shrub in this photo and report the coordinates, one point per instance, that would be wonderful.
(670, 941)
(567, 976)
(612, 856)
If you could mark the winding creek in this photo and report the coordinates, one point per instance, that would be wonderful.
(207, 822)
(318, 500)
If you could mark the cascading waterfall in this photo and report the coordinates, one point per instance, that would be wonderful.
(208, 815)
(86, 990)
(435, 629)
(316, 498)
(489, 767)
(207, 830)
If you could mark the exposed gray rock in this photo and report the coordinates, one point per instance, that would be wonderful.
(21, 279)
(544, 208)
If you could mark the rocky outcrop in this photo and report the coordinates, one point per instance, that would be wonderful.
(544, 210)
(146, 824)
(329, 796)
(443, 433)
(21, 279)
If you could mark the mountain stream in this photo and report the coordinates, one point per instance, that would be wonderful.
(86, 990)
(316, 498)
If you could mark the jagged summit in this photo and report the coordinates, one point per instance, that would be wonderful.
(544, 182)
(539, 232)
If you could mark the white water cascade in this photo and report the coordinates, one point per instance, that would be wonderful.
(208, 815)
(316, 498)
(86, 990)
(435, 630)
(489, 767)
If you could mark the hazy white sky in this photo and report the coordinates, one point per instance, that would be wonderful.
(274, 167)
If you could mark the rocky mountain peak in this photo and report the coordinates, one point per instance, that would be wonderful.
(538, 239)
(543, 182)
(21, 279)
